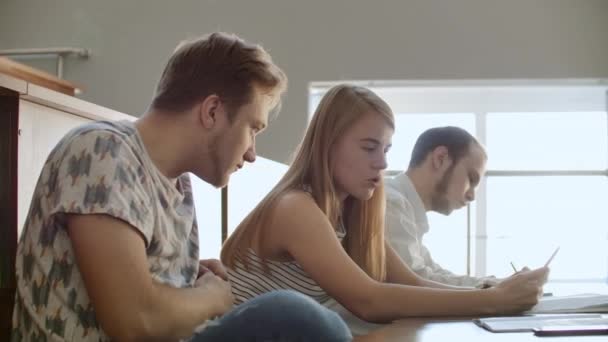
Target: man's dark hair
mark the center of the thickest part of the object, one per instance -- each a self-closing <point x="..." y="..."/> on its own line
<point x="455" y="139"/>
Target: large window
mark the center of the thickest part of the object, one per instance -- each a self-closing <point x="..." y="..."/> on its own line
<point x="547" y="179"/>
<point x="247" y="188"/>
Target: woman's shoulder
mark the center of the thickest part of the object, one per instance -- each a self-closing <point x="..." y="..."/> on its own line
<point x="296" y="208"/>
<point x="296" y="219"/>
<point x="296" y="200"/>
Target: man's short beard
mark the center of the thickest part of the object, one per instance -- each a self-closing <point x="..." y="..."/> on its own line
<point x="439" y="200"/>
<point x="216" y="177"/>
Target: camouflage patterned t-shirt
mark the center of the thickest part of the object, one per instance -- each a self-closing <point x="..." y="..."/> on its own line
<point x="98" y="168"/>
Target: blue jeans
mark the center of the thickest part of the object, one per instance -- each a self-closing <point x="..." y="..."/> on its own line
<point x="277" y="316"/>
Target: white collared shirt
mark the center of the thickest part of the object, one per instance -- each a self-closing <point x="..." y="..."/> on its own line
<point x="406" y="224"/>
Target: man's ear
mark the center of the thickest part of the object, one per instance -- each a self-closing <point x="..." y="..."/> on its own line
<point x="440" y="158"/>
<point x="209" y="110"/>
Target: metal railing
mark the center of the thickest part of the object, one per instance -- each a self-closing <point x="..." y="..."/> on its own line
<point x="57" y="52"/>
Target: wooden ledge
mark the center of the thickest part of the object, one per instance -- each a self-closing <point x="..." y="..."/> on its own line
<point x="35" y="76"/>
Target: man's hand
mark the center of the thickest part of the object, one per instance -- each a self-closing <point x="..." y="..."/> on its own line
<point x="212" y="265"/>
<point x="217" y="289"/>
<point x="129" y="304"/>
<point x="488" y="282"/>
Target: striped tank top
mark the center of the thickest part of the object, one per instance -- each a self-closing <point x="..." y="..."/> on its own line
<point x="248" y="283"/>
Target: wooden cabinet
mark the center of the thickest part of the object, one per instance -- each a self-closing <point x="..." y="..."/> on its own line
<point x="32" y="120"/>
<point x="40" y="129"/>
<point x="8" y="205"/>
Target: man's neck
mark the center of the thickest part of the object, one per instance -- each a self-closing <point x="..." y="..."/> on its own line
<point x="423" y="184"/>
<point x="163" y="141"/>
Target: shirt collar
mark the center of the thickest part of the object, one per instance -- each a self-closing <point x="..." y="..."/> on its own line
<point x="407" y="188"/>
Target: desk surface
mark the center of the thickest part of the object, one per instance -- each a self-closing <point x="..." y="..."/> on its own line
<point x="439" y="330"/>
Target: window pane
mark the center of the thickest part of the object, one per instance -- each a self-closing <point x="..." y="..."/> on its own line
<point x="528" y="217"/>
<point x="409" y="126"/>
<point x="542" y="141"/>
<point x="314" y="98"/>
<point x="447" y="240"/>
<point x="208" y="204"/>
<point x="249" y="186"/>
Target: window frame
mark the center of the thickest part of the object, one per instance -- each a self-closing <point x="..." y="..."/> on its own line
<point x="495" y="96"/>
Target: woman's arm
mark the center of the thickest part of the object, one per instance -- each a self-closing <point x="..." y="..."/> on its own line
<point x="300" y="229"/>
<point x="398" y="272"/>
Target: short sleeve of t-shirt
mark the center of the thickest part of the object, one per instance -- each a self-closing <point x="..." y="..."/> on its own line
<point x="100" y="172"/>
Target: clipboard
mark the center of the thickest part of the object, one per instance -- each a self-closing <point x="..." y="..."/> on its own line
<point x="529" y="323"/>
<point x="574" y="330"/>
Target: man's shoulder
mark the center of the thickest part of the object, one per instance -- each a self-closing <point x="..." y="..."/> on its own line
<point x="397" y="200"/>
<point x="95" y="155"/>
<point x="99" y="137"/>
<point x="393" y="191"/>
<point x="118" y="129"/>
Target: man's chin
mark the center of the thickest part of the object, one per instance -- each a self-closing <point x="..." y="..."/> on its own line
<point x="444" y="211"/>
<point x="222" y="182"/>
<point x="216" y="182"/>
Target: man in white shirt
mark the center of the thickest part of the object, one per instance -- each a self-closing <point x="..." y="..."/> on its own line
<point x="446" y="166"/>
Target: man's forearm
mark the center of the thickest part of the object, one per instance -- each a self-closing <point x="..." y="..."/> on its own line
<point x="162" y="313"/>
<point x="175" y="312"/>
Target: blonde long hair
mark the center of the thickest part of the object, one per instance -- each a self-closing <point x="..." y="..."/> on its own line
<point x="339" y="109"/>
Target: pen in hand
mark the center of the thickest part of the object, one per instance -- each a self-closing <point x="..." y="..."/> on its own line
<point x="546" y="264"/>
<point x="551" y="257"/>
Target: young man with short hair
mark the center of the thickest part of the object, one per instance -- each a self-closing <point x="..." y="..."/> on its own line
<point x="446" y="166"/>
<point x="109" y="250"/>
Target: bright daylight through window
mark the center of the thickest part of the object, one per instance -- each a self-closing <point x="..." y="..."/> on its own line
<point x="547" y="174"/>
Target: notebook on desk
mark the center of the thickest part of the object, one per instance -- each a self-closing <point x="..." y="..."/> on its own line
<point x="528" y="323"/>
<point x="582" y="309"/>
<point x="582" y="303"/>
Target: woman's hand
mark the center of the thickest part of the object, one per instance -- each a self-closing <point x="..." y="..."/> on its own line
<point x="520" y="292"/>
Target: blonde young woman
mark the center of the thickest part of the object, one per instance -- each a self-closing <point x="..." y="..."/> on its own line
<point x="320" y="231"/>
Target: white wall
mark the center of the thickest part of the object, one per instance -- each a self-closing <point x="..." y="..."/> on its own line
<point x="317" y="40"/>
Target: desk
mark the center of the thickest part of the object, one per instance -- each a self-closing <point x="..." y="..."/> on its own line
<point x="461" y="329"/>
<point x="439" y="330"/>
